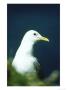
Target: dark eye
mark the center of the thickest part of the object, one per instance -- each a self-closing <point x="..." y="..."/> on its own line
<point x="35" y="34"/>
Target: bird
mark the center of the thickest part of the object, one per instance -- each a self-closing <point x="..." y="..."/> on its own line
<point x="24" y="60"/>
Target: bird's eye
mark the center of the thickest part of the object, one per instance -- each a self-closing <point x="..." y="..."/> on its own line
<point x="35" y="34"/>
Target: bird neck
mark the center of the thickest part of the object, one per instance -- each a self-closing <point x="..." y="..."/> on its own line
<point x="26" y="47"/>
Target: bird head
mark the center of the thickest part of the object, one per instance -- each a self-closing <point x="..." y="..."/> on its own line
<point x="34" y="36"/>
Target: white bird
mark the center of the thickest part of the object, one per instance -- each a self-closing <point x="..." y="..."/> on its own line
<point x="24" y="60"/>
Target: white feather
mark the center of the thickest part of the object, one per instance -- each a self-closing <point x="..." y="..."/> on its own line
<point x="24" y="59"/>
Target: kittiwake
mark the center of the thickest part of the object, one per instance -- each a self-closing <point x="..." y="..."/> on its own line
<point x="24" y="60"/>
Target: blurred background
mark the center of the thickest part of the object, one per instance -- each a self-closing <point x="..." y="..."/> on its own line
<point x="44" y="18"/>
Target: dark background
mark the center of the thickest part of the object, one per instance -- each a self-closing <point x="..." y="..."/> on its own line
<point x="44" y="18"/>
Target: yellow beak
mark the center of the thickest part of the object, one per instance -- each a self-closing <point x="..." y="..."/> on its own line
<point x="44" y="39"/>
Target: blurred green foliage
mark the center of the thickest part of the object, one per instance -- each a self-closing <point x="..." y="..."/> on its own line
<point x="28" y="79"/>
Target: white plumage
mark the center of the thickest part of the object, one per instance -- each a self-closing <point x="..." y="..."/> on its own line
<point x="24" y="60"/>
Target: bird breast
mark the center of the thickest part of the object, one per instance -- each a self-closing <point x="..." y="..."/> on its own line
<point x="24" y="64"/>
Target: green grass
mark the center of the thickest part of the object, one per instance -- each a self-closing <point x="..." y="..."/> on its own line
<point x="28" y="79"/>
